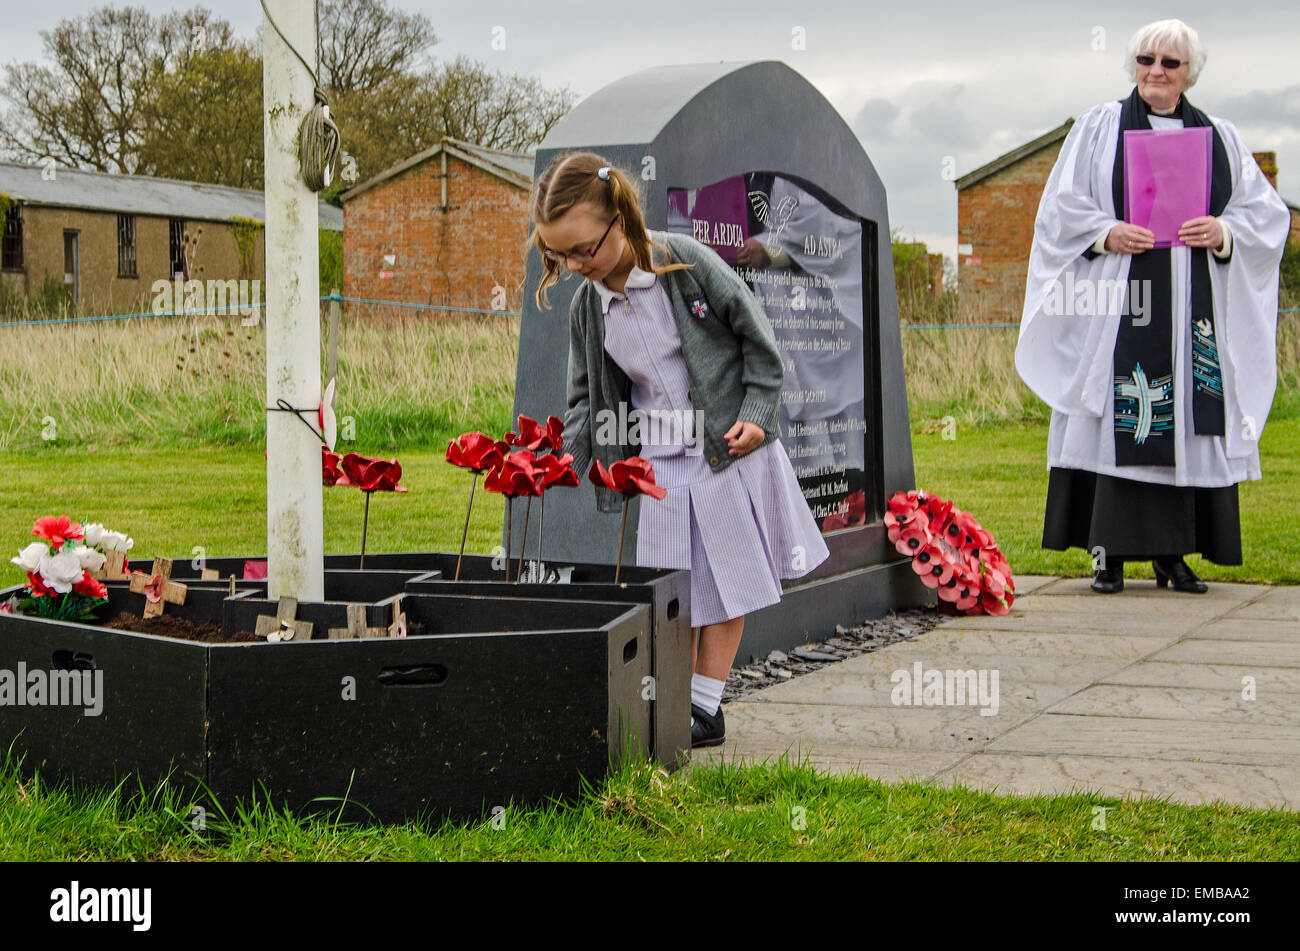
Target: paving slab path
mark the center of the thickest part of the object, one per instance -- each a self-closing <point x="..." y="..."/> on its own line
<point x="1143" y="693"/>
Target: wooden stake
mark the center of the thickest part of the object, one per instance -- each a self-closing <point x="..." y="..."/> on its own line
<point x="465" y="531"/>
<point x="621" y="532"/>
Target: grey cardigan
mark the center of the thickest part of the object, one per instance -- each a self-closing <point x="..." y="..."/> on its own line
<point x="732" y="361"/>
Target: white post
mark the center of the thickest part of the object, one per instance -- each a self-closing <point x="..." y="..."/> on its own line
<point x="295" y="538"/>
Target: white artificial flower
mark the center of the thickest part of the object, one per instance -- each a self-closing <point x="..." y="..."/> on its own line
<point x="60" y="572"/>
<point x="90" y="558"/>
<point x="94" y="533"/>
<point x="116" y="541"/>
<point x="29" y="559"/>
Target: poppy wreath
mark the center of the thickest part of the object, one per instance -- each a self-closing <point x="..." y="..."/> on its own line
<point x="951" y="552"/>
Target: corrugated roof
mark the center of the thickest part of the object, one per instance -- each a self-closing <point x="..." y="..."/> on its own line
<point x="141" y="195"/>
<point x="1015" y="155"/>
<point x="513" y="167"/>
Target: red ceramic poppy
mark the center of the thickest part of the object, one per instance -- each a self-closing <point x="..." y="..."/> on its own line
<point x="516" y="475"/>
<point x="630" y="477"/>
<point x="331" y="474"/>
<point x="57" y="529"/>
<point x="558" y="470"/>
<point x="477" y="451"/>
<point x="90" y="587"/>
<point x="533" y="435"/>
<point x="372" y="475"/>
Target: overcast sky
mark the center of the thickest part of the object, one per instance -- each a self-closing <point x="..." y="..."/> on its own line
<point x="918" y="82"/>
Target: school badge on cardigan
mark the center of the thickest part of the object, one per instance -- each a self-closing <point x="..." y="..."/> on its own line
<point x="699" y="305"/>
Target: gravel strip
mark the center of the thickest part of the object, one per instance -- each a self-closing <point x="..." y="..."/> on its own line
<point x="868" y="636"/>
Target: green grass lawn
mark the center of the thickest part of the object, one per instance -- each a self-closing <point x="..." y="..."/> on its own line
<point x="173" y="500"/>
<point x="718" y="812"/>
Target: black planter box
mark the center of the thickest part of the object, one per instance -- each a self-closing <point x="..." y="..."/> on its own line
<point x="667" y="593"/>
<point x="504" y="700"/>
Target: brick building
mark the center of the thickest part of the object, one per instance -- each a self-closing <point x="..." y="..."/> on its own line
<point x="446" y="226"/>
<point x="107" y="238"/>
<point x="996" y="207"/>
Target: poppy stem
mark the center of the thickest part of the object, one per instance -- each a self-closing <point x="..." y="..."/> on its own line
<point x="618" y="565"/>
<point x="510" y="500"/>
<point x="365" y="525"/>
<point x="523" y="542"/>
<point x="465" y="530"/>
<point x="541" y="522"/>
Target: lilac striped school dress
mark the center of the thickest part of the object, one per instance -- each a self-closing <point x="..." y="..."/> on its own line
<point x="738" y="531"/>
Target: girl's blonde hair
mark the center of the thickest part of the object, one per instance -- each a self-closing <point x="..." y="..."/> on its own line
<point x="573" y="179"/>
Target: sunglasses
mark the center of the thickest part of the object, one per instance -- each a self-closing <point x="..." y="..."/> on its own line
<point x="1168" y="62"/>
<point x="559" y="257"/>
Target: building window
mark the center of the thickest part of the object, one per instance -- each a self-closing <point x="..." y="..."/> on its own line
<point x="176" y="247"/>
<point x="126" y="246"/>
<point x="11" y="247"/>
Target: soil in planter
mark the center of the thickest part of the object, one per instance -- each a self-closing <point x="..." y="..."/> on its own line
<point x="169" y="625"/>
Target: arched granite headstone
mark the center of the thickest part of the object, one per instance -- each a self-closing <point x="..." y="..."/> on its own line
<point x="751" y="156"/>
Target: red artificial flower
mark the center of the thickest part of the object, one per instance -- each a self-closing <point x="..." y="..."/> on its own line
<point x="533" y="435"/>
<point x="961" y="531"/>
<point x="39" y="590"/>
<point x="152" y="588"/>
<point x="90" y="587"/>
<point x="331" y="474"/>
<point x="903" y="504"/>
<point x="372" y="475"/>
<point x="57" y="530"/>
<point x="477" y="451"/>
<point x="558" y="470"/>
<point x="913" y="537"/>
<point x="934" y="569"/>
<point x="629" y="476"/>
<point x="516" y="475"/>
<point x="939" y="511"/>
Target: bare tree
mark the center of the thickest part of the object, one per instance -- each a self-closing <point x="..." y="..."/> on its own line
<point x="364" y="44"/>
<point x="84" y="110"/>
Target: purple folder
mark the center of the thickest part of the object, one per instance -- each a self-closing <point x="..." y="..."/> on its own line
<point x="1166" y="179"/>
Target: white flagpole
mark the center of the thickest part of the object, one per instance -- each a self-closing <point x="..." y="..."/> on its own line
<point x="295" y="543"/>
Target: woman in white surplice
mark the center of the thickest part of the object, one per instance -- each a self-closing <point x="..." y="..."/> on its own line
<point x="1159" y="363"/>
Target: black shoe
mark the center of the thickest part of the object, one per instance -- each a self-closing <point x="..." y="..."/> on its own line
<point x="1183" y="578"/>
<point x="1109" y="580"/>
<point x="707" y="730"/>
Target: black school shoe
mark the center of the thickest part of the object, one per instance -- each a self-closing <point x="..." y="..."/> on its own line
<point x="707" y="730"/>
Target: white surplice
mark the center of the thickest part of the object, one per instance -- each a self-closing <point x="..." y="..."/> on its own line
<point x="1066" y="357"/>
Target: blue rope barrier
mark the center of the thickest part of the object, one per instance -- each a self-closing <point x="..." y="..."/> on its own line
<point x="398" y="303"/>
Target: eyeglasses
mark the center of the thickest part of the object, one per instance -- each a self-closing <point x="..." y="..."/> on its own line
<point x="1168" y="62"/>
<point x="559" y="257"/>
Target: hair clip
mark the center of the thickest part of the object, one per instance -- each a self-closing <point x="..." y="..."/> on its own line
<point x="603" y="173"/>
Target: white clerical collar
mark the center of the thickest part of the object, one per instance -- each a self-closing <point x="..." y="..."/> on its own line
<point x="635" y="278"/>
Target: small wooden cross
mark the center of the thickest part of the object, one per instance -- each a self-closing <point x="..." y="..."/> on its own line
<point x="114" y="567"/>
<point x="357" y="628"/>
<point x="157" y="581"/>
<point x="284" y="626"/>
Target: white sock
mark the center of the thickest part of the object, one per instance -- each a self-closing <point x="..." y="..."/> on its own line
<point x="706" y="693"/>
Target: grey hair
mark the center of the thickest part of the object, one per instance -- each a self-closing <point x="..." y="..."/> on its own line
<point x="1173" y="34"/>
